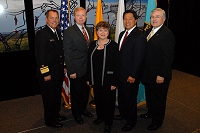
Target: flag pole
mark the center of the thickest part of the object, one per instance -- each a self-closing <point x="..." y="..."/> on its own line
<point x="69" y="19"/>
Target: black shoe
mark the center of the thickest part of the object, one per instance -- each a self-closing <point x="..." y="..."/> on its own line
<point x="87" y="113"/>
<point x="55" y="125"/>
<point x="97" y="121"/>
<point x="153" y="127"/>
<point x="61" y="118"/>
<point x="127" y="128"/>
<point x="146" y="116"/>
<point x="79" y="120"/>
<point x="117" y="117"/>
<point x="107" y="129"/>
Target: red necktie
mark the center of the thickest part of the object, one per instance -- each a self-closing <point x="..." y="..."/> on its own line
<point x="124" y="39"/>
<point x="85" y="35"/>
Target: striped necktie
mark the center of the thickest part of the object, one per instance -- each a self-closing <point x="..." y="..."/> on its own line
<point x="85" y="35"/>
<point x="150" y="34"/>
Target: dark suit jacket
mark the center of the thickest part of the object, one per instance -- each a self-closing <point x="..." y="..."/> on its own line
<point x="131" y="54"/>
<point x="75" y="50"/>
<point x="159" y="55"/>
<point x="49" y="54"/>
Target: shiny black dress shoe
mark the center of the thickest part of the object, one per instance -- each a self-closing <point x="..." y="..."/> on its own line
<point x="79" y="120"/>
<point x="87" y="113"/>
<point x="117" y="117"/>
<point x="153" y="127"/>
<point x="55" y="125"/>
<point x="61" y="118"/>
<point x="146" y="116"/>
<point x="107" y="129"/>
<point x="97" y="121"/>
<point x="127" y="128"/>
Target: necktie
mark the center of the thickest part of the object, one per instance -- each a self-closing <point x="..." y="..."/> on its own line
<point x="124" y="39"/>
<point x="85" y="35"/>
<point x="150" y="34"/>
<point x="56" y="35"/>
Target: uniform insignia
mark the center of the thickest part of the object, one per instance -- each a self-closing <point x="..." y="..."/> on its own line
<point x="44" y="69"/>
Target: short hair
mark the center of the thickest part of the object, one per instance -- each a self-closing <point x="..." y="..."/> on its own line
<point x="79" y="9"/>
<point x="159" y="9"/>
<point x="103" y="24"/>
<point x="51" y="10"/>
<point x="131" y="11"/>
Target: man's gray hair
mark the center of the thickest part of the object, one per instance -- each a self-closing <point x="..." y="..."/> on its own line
<point x="159" y="9"/>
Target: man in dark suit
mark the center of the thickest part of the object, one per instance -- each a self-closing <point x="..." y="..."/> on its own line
<point x="157" y="71"/>
<point x="131" y="55"/>
<point x="75" y="49"/>
<point x="50" y="71"/>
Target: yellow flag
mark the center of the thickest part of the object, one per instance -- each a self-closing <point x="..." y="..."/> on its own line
<point x="99" y="16"/>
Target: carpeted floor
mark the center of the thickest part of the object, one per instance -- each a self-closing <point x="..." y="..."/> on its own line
<point x="25" y="115"/>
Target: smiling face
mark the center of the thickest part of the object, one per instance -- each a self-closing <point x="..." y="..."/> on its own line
<point x="129" y="21"/>
<point x="52" y="19"/>
<point x="80" y="16"/>
<point x="102" y="33"/>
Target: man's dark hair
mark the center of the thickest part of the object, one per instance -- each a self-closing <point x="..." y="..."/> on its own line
<point x="131" y="11"/>
<point x="51" y="10"/>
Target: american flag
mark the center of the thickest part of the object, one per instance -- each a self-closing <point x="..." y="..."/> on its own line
<point x="66" y="91"/>
<point x="64" y="24"/>
<point x="64" y="15"/>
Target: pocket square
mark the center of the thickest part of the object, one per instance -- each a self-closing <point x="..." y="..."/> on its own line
<point x="52" y="40"/>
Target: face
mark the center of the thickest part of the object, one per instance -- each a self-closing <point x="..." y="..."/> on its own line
<point x="52" y="19"/>
<point x="129" y="21"/>
<point x="102" y="33"/>
<point x="157" y="19"/>
<point x="80" y="17"/>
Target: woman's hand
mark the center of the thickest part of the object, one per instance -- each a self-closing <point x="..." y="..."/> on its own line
<point x="113" y="87"/>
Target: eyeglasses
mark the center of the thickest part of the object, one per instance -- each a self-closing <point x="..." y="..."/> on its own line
<point x="156" y="17"/>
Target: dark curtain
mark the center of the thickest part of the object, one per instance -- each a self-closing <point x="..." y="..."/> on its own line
<point x="17" y="69"/>
<point x="184" y="21"/>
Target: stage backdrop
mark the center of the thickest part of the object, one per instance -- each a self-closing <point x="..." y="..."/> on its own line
<point x="13" y="28"/>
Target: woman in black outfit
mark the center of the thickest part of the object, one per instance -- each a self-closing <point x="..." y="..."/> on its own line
<point x="102" y="74"/>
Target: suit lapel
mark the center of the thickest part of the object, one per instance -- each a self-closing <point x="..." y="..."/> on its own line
<point x="156" y="34"/>
<point x="80" y="34"/>
<point x="130" y="36"/>
<point x="120" y="36"/>
<point x="52" y="34"/>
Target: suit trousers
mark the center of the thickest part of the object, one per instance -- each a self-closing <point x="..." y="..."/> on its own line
<point x="105" y="103"/>
<point x="51" y="96"/>
<point x="156" y="96"/>
<point x="127" y="100"/>
<point x="79" y="95"/>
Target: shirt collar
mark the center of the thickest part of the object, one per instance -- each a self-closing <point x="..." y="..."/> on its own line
<point x="79" y="26"/>
<point x="129" y="31"/>
<point x="156" y="29"/>
<point x="51" y="29"/>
